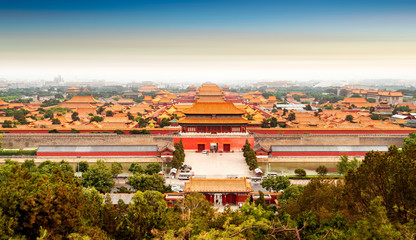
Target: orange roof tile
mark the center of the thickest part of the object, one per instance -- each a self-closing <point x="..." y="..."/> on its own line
<point x="213" y="108"/>
<point x="3" y="103"/>
<point x="82" y="99"/>
<point x="217" y="185"/>
<point x="218" y="120"/>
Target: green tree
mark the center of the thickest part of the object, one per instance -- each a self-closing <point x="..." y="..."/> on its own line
<point x="147" y="212"/>
<point x="7" y="124"/>
<point x="291" y="116"/>
<point x="349" y="118"/>
<point x="109" y="113"/>
<point x="178" y="155"/>
<point x="143" y="182"/>
<point x="275" y="183"/>
<point x="385" y="175"/>
<point x="98" y="176"/>
<point x="345" y="164"/>
<point x="300" y="172"/>
<point x="153" y="168"/>
<point x="75" y="116"/>
<point x="308" y="107"/>
<point x="56" y="121"/>
<point x="321" y="170"/>
<point x="164" y="122"/>
<point x="116" y="169"/>
<point x="96" y="118"/>
<point x="261" y="201"/>
<point x="29" y="165"/>
<point x="410" y="139"/>
<point x="273" y="122"/>
<point x="82" y="166"/>
<point x="136" y="168"/>
<point x="376" y="225"/>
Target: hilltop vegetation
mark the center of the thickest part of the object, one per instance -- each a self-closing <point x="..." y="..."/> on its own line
<point x="375" y="200"/>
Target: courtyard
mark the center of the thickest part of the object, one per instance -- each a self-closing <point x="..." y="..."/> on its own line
<point x="218" y="165"/>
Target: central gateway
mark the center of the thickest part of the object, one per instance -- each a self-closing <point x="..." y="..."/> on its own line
<point x="214" y="118"/>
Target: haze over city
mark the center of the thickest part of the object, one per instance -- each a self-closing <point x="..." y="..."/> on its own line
<point x="175" y="41"/>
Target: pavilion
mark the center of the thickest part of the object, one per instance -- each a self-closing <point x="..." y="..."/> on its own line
<point x="213" y="117"/>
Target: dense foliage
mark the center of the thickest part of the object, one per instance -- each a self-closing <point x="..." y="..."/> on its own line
<point x="375" y="200"/>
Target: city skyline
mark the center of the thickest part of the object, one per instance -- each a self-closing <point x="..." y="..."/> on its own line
<point x="215" y="41"/>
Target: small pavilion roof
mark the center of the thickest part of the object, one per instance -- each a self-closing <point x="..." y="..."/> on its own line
<point x="217" y="185"/>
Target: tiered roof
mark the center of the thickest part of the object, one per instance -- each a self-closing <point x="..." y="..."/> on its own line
<point x="213" y="108"/>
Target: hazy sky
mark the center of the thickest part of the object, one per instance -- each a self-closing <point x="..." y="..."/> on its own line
<point x="222" y="40"/>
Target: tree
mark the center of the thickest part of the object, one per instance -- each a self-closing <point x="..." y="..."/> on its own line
<point x="143" y="182"/>
<point x="136" y="168"/>
<point x="346" y="164"/>
<point x="147" y="212"/>
<point x="290" y="193"/>
<point x="250" y="156"/>
<point x="100" y="110"/>
<point x="300" y="172"/>
<point x="98" y="176"/>
<point x="75" y="116"/>
<point x="265" y="123"/>
<point x="73" y="130"/>
<point x="153" y="168"/>
<point x="261" y="201"/>
<point x="96" y="118"/>
<point x="275" y="183"/>
<point x="273" y="122"/>
<point x="371" y="100"/>
<point x="321" y="170"/>
<point x="20" y="116"/>
<point x="56" y="121"/>
<point x="109" y="113"/>
<point x="284" y="111"/>
<point x="82" y="166"/>
<point x="53" y="131"/>
<point x="164" y="122"/>
<point x="349" y="118"/>
<point x="410" y="139"/>
<point x="116" y="169"/>
<point x="7" y="124"/>
<point x="308" y="107"/>
<point x="29" y="165"/>
<point x="388" y="176"/>
<point x="36" y="204"/>
<point x="178" y="155"/>
<point x="291" y="116"/>
<point x="118" y="131"/>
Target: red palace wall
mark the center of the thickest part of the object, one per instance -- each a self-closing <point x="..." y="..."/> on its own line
<point x="332" y="131"/>
<point x="311" y="154"/>
<point x="152" y="131"/>
<point x="236" y="143"/>
<point x="97" y="154"/>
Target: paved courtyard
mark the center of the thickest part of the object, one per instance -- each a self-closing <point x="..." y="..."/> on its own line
<point x="217" y="165"/>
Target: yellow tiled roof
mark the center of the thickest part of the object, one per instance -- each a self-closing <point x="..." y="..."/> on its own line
<point x="217" y="185"/>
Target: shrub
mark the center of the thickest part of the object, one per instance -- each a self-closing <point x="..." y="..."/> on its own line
<point x="300" y="172"/>
<point x="322" y="170"/>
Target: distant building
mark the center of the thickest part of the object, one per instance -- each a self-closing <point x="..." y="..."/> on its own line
<point x="73" y="90"/>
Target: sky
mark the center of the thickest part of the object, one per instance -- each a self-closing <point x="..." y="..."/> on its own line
<point x="216" y="40"/>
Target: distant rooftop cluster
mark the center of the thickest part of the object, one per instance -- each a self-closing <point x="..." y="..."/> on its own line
<point x="210" y="109"/>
